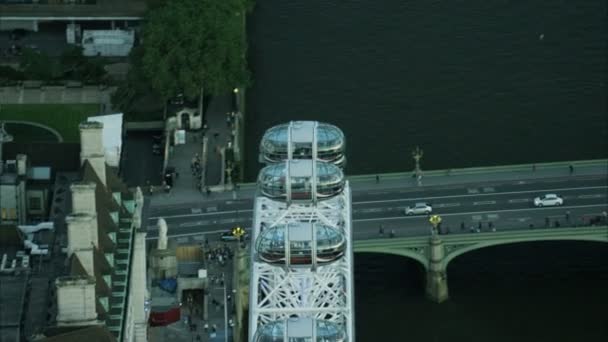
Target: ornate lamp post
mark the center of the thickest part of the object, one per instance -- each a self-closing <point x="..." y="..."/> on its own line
<point x="435" y="220"/>
<point x="417" y="154"/>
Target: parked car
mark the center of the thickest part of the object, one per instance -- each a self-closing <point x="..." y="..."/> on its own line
<point x="548" y="200"/>
<point x="419" y="209"/>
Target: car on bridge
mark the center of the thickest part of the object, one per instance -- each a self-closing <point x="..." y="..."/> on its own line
<point x="419" y="209"/>
<point x="548" y="200"/>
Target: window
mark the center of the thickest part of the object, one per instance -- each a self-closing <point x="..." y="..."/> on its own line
<point x="35" y="203"/>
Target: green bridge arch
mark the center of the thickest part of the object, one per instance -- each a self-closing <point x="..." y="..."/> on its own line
<point x="435" y="253"/>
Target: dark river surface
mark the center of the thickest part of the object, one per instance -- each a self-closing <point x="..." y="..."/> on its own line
<point x="474" y="83"/>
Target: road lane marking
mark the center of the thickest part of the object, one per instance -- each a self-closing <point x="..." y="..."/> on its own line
<point x="489" y="194"/>
<point x="591" y="196"/>
<point x="446" y="205"/>
<point x="492" y="216"/>
<point x="211" y="209"/>
<point x="489" y="189"/>
<point x="190" y="224"/>
<point x="196" y="210"/>
<point x="484" y="202"/>
<point x="481" y="212"/>
<point x="519" y="200"/>
<point x="395" y="200"/>
<point x="472" y="191"/>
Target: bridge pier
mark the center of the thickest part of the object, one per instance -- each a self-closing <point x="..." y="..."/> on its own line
<point x="436" y="275"/>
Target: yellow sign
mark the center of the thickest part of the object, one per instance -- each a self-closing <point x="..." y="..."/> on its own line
<point x="435" y="220"/>
<point x="238" y="231"/>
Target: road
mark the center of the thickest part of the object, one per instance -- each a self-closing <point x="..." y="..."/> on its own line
<point x="507" y="204"/>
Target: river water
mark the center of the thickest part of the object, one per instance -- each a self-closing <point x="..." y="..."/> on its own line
<point x="475" y="82"/>
<point x="548" y="291"/>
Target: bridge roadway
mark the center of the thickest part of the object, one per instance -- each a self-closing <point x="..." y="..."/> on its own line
<point x="507" y="204"/>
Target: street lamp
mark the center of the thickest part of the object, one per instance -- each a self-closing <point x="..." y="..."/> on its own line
<point x="417" y="154"/>
<point x="435" y="220"/>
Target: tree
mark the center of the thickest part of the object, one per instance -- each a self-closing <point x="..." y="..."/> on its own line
<point x="135" y="93"/>
<point x="191" y="44"/>
<point x="39" y="66"/>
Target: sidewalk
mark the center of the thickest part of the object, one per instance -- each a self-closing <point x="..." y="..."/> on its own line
<point x="430" y="178"/>
<point x="185" y="185"/>
<point x="218" y="134"/>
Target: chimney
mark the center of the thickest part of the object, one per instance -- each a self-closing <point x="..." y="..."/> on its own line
<point x="82" y="232"/>
<point x="83" y="197"/>
<point x="85" y="256"/>
<point x="76" y="301"/>
<point x="91" y="147"/>
<point x="21" y="165"/>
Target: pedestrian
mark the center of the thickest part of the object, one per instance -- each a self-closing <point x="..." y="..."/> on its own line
<point x="568" y="216"/>
<point x="462" y="226"/>
<point x="381" y="230"/>
<point x="479" y="227"/>
<point x="571" y="169"/>
<point x="208" y="192"/>
<point x="533" y="167"/>
<point x="392" y="233"/>
<point x="377" y="179"/>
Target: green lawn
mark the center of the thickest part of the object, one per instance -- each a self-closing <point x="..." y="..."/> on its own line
<point x="62" y="117"/>
<point x="29" y="133"/>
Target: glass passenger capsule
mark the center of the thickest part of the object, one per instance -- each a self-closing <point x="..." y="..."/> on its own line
<point x="330" y="142"/>
<point x="272" y="180"/>
<point x="300" y="329"/>
<point x="270" y="245"/>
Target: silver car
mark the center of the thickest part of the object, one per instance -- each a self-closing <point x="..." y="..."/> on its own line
<point x="419" y="209"/>
<point x="548" y="200"/>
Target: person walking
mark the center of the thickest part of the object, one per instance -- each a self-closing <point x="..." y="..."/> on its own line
<point x="571" y="168"/>
<point x="377" y="179"/>
<point x="392" y="233"/>
<point x="381" y="230"/>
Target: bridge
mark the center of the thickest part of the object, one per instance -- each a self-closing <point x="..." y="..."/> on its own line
<point x="436" y="251"/>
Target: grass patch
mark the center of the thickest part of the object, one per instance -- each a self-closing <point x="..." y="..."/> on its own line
<point x="62" y="117"/>
<point x="28" y="133"/>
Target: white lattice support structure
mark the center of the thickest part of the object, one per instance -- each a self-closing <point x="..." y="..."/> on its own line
<point x="324" y="292"/>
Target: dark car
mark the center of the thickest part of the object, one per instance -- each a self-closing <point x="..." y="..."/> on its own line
<point x="18" y="34"/>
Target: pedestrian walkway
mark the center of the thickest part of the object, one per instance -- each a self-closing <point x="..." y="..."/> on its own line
<point x="220" y="300"/>
<point x="186" y="184"/>
<point x="385" y="182"/>
<point x="218" y="134"/>
<point x="56" y="95"/>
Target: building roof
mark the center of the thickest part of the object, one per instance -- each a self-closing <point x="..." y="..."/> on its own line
<point x="88" y="10"/>
<point x="12" y="295"/>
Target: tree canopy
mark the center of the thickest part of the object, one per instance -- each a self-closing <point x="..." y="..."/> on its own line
<point x="189" y="44"/>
